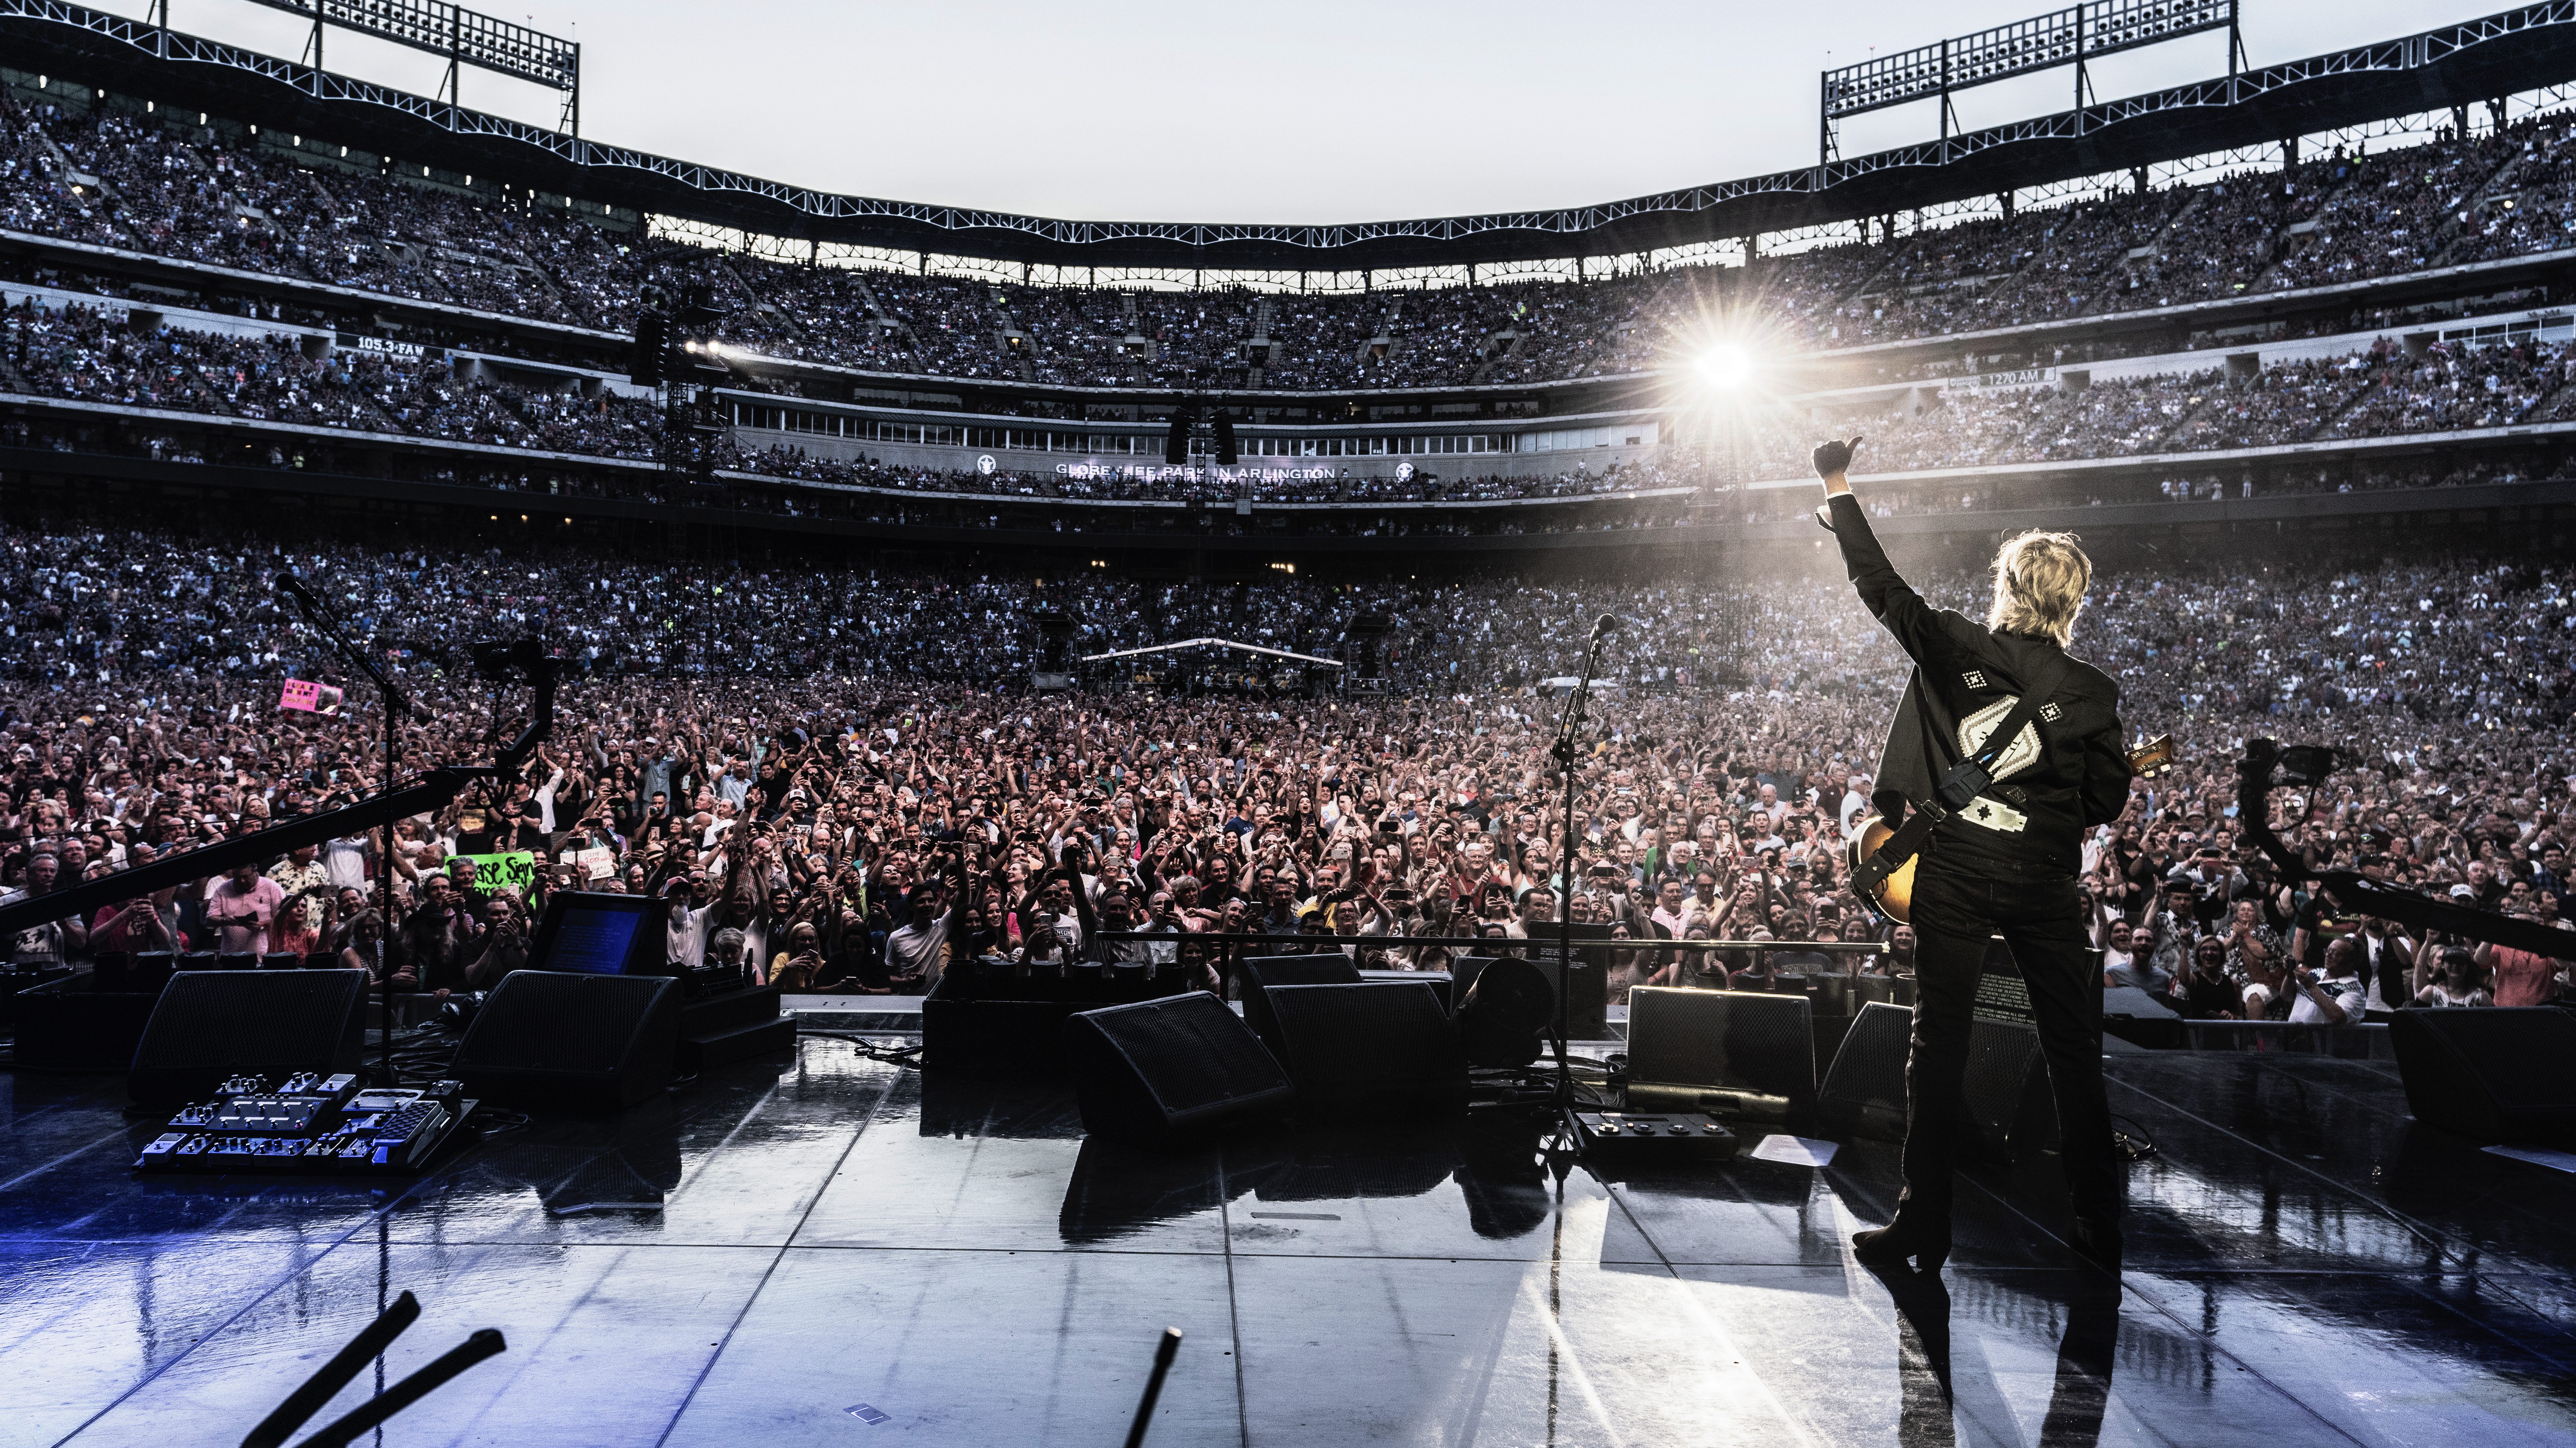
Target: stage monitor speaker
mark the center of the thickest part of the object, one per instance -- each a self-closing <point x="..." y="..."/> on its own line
<point x="1865" y="1085"/>
<point x="209" y="1026"/>
<point x="1728" y="1052"/>
<point x="1588" y="994"/>
<point x="730" y="1026"/>
<point x="2132" y="1015"/>
<point x="595" y="933"/>
<point x="2009" y="1109"/>
<point x="2503" y="1074"/>
<point x="571" y="1040"/>
<point x="66" y="1024"/>
<point x="151" y="971"/>
<point x="1384" y="1048"/>
<point x="1831" y="993"/>
<point x="1442" y="983"/>
<point x="1260" y="974"/>
<point x="1170" y="1071"/>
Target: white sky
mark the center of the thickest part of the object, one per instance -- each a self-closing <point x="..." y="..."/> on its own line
<point x="1324" y="111"/>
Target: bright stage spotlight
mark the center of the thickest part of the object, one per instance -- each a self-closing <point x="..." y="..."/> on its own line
<point x="1726" y="366"/>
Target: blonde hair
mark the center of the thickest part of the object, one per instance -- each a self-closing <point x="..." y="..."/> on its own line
<point x="2040" y="580"/>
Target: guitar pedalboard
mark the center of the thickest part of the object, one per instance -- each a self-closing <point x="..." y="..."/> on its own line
<point x="309" y="1124"/>
<point x="1641" y="1139"/>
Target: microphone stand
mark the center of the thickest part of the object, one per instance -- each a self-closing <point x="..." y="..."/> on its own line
<point x="395" y="705"/>
<point x="1567" y="729"/>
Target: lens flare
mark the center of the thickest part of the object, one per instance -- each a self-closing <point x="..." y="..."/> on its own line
<point x="1725" y="365"/>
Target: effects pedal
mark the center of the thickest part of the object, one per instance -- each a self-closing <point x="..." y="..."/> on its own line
<point x="1642" y="1138"/>
<point x="309" y="1123"/>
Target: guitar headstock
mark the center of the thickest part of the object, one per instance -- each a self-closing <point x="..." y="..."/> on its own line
<point x="2153" y="757"/>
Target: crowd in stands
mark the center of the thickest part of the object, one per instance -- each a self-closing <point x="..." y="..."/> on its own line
<point x="85" y="354"/>
<point x="155" y="184"/>
<point x="1210" y="484"/>
<point x="2380" y="392"/>
<point x="832" y="776"/>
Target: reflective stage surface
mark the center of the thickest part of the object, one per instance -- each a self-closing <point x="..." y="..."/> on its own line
<point x="753" y="1258"/>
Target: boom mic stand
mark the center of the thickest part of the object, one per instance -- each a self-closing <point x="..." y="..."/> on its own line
<point x="1567" y="729"/>
<point x="395" y="705"/>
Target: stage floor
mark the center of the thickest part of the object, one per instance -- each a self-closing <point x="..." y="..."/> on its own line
<point x="751" y="1259"/>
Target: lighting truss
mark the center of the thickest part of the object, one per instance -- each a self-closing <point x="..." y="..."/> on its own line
<point x="468" y="37"/>
<point x="2062" y="37"/>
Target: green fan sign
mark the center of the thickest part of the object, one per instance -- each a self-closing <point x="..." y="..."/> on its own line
<point x="515" y="870"/>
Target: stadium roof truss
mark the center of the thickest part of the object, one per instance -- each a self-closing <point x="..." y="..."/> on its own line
<point x="2507" y="53"/>
<point x="2072" y="36"/>
<point x="465" y="37"/>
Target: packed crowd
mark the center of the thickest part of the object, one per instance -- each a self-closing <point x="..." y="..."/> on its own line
<point x="86" y="354"/>
<point x="1208" y="483"/>
<point x="852" y="795"/>
<point x="156" y="184"/>
<point x="2382" y="391"/>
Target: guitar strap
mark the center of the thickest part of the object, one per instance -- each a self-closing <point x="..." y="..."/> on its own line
<point x="1966" y="780"/>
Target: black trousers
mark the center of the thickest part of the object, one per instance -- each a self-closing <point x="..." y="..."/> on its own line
<point x="1958" y="904"/>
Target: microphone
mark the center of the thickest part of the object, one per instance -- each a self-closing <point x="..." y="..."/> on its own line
<point x="1602" y="626"/>
<point x="289" y="584"/>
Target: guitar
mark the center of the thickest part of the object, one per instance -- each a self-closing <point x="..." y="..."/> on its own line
<point x="1895" y="895"/>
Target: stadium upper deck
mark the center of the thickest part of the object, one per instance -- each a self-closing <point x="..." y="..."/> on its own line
<point x="126" y="197"/>
<point x="2513" y="51"/>
<point x="227" y="290"/>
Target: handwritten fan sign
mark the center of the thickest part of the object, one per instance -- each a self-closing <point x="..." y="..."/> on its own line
<point x="597" y="863"/>
<point x="516" y="869"/>
<point x="310" y="697"/>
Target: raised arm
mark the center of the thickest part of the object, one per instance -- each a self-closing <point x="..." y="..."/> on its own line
<point x="1885" y="593"/>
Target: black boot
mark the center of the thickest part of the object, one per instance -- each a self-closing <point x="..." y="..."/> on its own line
<point x="1920" y="1237"/>
<point x="2096" y="1241"/>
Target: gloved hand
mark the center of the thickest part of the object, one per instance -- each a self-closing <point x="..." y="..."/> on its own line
<point x="1835" y="457"/>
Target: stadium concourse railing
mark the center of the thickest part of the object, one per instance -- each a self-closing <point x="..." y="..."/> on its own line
<point x="612" y="347"/>
<point x="1233" y="946"/>
<point x="26" y="467"/>
<point x="2159" y="464"/>
<point x="2245" y="307"/>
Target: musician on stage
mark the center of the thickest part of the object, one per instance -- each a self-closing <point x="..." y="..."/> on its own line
<point x="2005" y="864"/>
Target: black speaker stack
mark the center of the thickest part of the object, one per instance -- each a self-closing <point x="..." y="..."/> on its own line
<point x="2501" y="1074"/>
<point x="1261" y="974"/>
<point x="2009" y="1109"/>
<point x="994" y="1017"/>
<point x="1734" y="1053"/>
<point x="1172" y="1071"/>
<point x="735" y="1025"/>
<point x="1380" y="1048"/>
<point x="208" y="1028"/>
<point x="571" y="1040"/>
